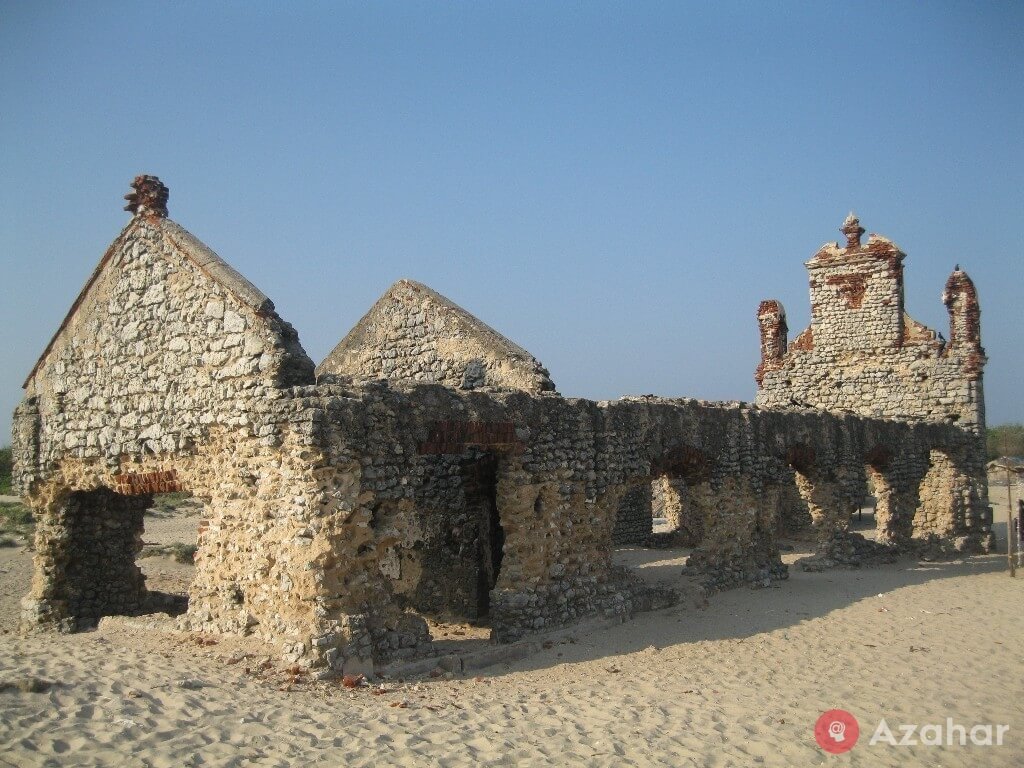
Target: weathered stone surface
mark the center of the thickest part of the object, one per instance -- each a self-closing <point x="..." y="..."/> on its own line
<point x="862" y="354"/>
<point x="414" y="334"/>
<point x="339" y="513"/>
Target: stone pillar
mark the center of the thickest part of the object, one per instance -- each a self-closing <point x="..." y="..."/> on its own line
<point x="771" y="318"/>
<point x="634" y="521"/>
<point x="889" y="528"/>
<point x="682" y="507"/>
<point x="952" y="515"/>
<point x="941" y="508"/>
<point x="824" y="499"/>
<point x="739" y="543"/>
<point x="794" y="515"/>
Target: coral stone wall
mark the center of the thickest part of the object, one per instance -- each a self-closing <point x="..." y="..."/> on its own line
<point x="857" y="296"/>
<point x="171" y="372"/>
<point x="95" y="537"/>
<point x="564" y="471"/>
<point x="863" y="354"/>
<point x="164" y="341"/>
<point x="338" y="514"/>
<point x="413" y="334"/>
<point x="634" y="520"/>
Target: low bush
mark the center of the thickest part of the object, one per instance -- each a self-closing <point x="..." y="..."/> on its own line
<point x="6" y="466"/>
<point x="1005" y="440"/>
<point x="178" y="551"/>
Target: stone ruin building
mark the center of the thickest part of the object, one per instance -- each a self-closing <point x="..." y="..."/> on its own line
<point x="428" y="467"/>
<point x="864" y="355"/>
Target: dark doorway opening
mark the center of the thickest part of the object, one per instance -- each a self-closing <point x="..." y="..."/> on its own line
<point x="480" y="479"/>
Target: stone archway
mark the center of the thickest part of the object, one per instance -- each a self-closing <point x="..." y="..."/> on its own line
<point x="87" y="546"/>
<point x="818" y="493"/>
<point x="682" y="491"/>
<point x="891" y="526"/>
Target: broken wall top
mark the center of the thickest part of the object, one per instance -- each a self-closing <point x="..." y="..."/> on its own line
<point x="414" y="334"/>
<point x="863" y="353"/>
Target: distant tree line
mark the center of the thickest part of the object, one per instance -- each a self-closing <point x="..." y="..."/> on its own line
<point x="1005" y="440"/>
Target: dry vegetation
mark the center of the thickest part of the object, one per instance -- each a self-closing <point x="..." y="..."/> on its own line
<point x="16" y="524"/>
<point x="1005" y="440"/>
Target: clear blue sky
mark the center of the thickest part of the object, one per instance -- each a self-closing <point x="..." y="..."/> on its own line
<point x="615" y="186"/>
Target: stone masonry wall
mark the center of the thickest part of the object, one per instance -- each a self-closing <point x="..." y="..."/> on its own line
<point x="339" y="513"/>
<point x="562" y="478"/>
<point x="96" y="536"/>
<point x="413" y="334"/>
<point x="170" y="366"/>
<point x="634" y="520"/>
<point x="163" y="343"/>
<point x="863" y="354"/>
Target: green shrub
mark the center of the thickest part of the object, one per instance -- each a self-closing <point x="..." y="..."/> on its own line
<point x="178" y="551"/>
<point x="6" y="466"/>
<point x="1005" y="440"/>
<point x="15" y="513"/>
<point x="16" y="519"/>
<point x="177" y="502"/>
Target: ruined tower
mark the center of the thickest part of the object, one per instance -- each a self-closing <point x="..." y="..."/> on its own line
<point x="863" y="354"/>
<point x="857" y="293"/>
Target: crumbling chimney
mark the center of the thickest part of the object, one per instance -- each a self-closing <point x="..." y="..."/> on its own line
<point x="148" y="196"/>
<point x="771" y="317"/>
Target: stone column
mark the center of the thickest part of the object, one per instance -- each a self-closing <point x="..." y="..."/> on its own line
<point x="634" y="521"/>
<point x="825" y="498"/>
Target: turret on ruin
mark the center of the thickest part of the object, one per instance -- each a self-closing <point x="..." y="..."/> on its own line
<point x="771" y="317"/>
<point x="961" y="300"/>
<point x="863" y="354"/>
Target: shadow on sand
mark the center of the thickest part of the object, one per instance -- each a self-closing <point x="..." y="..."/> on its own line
<point x="743" y="613"/>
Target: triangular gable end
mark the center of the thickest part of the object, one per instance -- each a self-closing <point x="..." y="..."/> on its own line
<point x="416" y="335"/>
<point x="150" y="237"/>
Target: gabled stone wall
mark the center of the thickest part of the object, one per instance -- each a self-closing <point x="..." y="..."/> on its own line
<point x="164" y="342"/>
<point x="171" y="372"/>
<point x="415" y="335"/>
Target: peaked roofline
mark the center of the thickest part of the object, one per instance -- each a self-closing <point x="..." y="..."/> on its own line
<point x="187" y="244"/>
<point x="463" y="314"/>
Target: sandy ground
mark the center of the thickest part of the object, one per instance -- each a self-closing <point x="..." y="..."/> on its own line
<point x="740" y="682"/>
